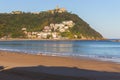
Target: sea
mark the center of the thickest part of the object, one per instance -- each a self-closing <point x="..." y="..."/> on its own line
<point x="105" y="50"/>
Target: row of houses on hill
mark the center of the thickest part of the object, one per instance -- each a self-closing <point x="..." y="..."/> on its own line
<point x="51" y="31"/>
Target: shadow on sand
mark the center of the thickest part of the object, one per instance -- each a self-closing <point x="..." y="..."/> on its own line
<point x="1" y="68"/>
<point x="55" y="73"/>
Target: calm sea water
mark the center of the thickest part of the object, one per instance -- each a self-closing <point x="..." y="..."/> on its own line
<point x="103" y="50"/>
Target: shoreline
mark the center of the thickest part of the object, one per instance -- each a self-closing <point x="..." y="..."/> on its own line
<point x="24" y="66"/>
<point x="71" y="58"/>
<point x="50" y="39"/>
<point x="65" y="56"/>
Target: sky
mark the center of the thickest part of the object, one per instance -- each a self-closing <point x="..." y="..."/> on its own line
<point x="101" y="15"/>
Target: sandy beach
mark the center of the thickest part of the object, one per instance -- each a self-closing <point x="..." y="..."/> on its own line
<point x="18" y="66"/>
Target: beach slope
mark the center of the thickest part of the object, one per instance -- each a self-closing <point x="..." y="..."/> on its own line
<point x="19" y="66"/>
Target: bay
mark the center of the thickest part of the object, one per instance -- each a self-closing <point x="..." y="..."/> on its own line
<point x="102" y="50"/>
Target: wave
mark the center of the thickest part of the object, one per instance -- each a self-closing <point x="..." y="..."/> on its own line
<point x="97" y="57"/>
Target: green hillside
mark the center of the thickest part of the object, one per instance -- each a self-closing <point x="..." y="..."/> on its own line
<point x="11" y="25"/>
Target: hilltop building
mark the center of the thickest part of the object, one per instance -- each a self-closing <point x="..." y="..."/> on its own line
<point x="35" y="12"/>
<point x="57" y="10"/>
<point x="16" y="12"/>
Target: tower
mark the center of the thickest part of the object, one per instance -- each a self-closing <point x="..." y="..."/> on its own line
<point x="57" y="7"/>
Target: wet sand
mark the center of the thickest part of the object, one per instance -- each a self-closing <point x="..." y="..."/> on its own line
<point x="18" y="66"/>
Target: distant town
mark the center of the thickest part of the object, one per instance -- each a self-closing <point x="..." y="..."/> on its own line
<point x="51" y="31"/>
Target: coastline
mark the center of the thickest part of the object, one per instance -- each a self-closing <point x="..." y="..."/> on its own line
<point x="18" y="39"/>
<point x="85" y="66"/>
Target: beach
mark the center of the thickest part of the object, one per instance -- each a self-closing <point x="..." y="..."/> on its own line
<point x="21" y="66"/>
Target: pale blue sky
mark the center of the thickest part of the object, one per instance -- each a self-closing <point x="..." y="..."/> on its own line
<point x="102" y="15"/>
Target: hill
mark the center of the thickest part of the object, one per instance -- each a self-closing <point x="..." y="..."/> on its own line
<point x="52" y="24"/>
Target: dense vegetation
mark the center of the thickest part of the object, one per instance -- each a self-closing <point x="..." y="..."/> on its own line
<point x="11" y="24"/>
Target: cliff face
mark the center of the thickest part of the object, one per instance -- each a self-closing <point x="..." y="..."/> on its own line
<point x="11" y="25"/>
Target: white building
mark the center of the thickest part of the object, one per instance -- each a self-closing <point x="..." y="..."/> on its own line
<point x="68" y="23"/>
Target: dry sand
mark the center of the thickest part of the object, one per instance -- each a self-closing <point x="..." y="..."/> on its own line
<point x="18" y="66"/>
